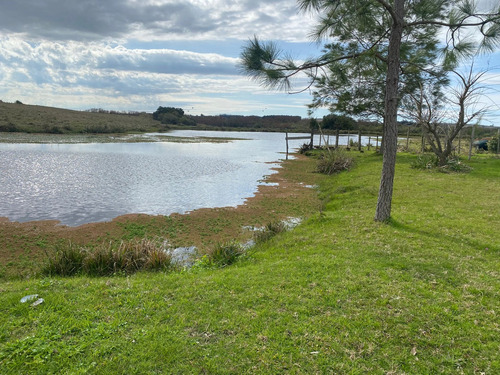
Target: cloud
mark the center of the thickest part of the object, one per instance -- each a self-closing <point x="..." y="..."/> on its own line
<point x="86" y="75"/>
<point x="86" y="53"/>
<point x="87" y="20"/>
<point x="139" y="54"/>
<point x="51" y="62"/>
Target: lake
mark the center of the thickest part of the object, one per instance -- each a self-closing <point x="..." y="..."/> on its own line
<point x="92" y="182"/>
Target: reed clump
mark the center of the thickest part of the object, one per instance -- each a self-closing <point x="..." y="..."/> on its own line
<point x="108" y="259"/>
<point x="224" y="254"/>
<point x="269" y="231"/>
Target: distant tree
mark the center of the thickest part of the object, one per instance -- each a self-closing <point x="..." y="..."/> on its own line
<point x="313" y="124"/>
<point x="171" y="115"/>
<point x="177" y="112"/>
<point x="334" y="122"/>
<point x="399" y="35"/>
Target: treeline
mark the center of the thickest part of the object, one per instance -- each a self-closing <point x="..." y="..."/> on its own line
<point x="176" y="116"/>
<point x="276" y="123"/>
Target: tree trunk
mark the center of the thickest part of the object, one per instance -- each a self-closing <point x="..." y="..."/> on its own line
<point x="383" y="212"/>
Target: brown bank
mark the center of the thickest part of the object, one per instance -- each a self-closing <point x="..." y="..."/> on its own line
<point x="23" y="246"/>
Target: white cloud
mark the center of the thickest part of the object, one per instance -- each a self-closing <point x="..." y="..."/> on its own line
<point x="85" y="75"/>
<point x="76" y="54"/>
<point x="139" y="54"/>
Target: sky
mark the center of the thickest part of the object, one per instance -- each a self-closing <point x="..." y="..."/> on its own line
<point x="135" y="55"/>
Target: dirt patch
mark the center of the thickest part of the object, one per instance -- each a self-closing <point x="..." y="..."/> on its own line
<point x="24" y="245"/>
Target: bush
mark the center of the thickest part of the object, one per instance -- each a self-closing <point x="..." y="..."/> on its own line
<point x="10" y="127"/>
<point x="453" y="164"/>
<point x="225" y="254"/>
<point x="493" y="144"/>
<point x="425" y="161"/>
<point x="331" y="162"/>
<point x="353" y="143"/>
<point x="305" y="148"/>
<point x="269" y="231"/>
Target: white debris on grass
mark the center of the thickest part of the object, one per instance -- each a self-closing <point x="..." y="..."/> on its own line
<point x="39" y="301"/>
<point x="29" y="298"/>
<point x="33" y="297"/>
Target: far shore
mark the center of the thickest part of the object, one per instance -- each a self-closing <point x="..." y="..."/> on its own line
<point x="44" y="138"/>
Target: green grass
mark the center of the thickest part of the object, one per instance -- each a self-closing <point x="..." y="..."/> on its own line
<point x="338" y="294"/>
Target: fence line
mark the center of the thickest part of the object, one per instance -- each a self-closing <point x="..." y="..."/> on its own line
<point x="402" y="141"/>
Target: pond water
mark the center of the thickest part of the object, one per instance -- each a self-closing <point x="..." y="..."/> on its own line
<point x="82" y="183"/>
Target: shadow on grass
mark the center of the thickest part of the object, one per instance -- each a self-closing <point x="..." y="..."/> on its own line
<point x="474" y="243"/>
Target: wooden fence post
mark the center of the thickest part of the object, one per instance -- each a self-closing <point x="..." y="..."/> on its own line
<point x="471" y="141"/>
<point x="359" y="140"/>
<point x="498" y="141"/>
<point x="286" y="137"/>
<point x="408" y="140"/>
<point x="311" y="139"/>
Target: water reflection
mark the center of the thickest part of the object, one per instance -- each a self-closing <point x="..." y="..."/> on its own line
<point x="82" y="183"/>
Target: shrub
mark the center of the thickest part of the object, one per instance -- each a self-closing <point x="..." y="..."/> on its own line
<point x="305" y="148"/>
<point x="336" y="161"/>
<point x="493" y="144"/>
<point x="54" y="130"/>
<point x="225" y="254"/>
<point x="453" y="164"/>
<point x="269" y="231"/>
<point x="10" y="127"/>
<point x="353" y="143"/>
<point x="425" y="161"/>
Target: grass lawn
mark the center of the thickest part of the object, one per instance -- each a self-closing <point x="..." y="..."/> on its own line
<point x="339" y="294"/>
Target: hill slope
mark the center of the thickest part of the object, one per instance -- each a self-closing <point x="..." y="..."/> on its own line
<point x="17" y="117"/>
<point x="339" y="294"/>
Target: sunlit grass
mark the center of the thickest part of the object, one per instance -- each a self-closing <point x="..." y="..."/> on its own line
<point x="338" y="294"/>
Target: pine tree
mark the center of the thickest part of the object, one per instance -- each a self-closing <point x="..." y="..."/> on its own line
<point x="398" y="37"/>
